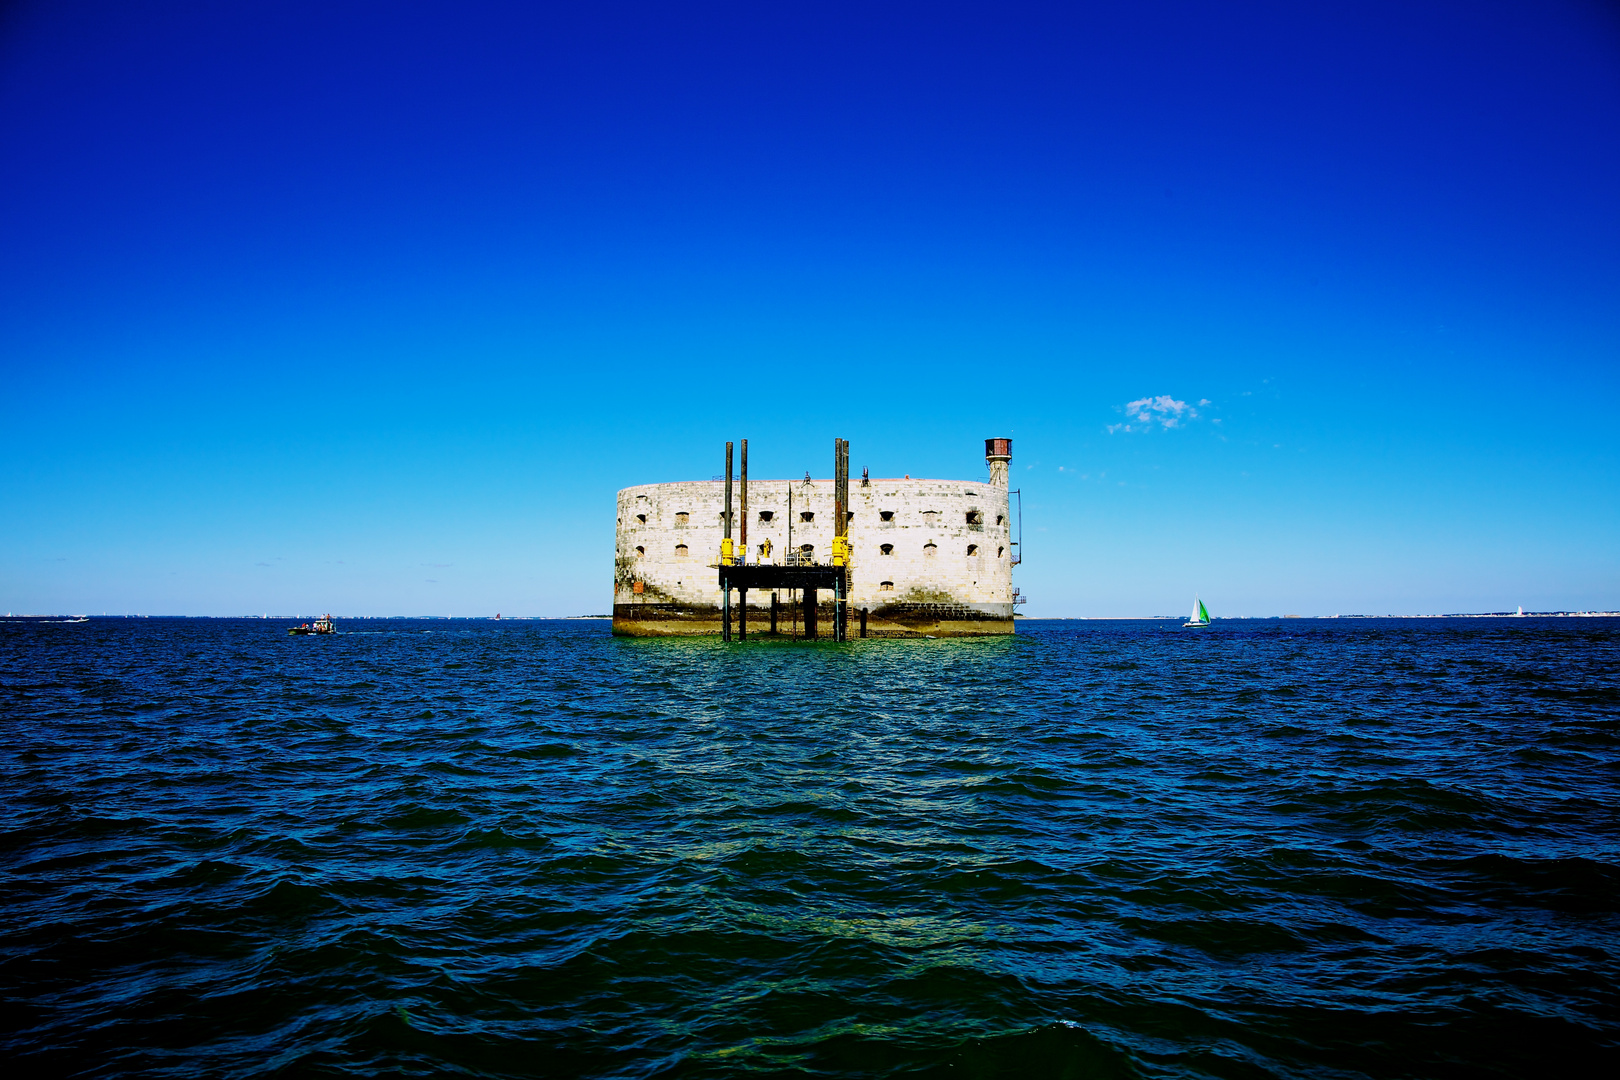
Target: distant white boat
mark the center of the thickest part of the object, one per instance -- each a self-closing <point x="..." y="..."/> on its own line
<point x="1521" y="610"/>
<point x="1199" y="616"/>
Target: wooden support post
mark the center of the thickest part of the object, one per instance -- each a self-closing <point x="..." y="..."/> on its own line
<point x="742" y="614"/>
<point x="863" y="622"/>
<point x="725" y="613"/>
<point x="773" y="610"/>
<point x="810" y="614"/>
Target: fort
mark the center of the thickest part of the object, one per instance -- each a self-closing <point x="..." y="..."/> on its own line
<point x="915" y="558"/>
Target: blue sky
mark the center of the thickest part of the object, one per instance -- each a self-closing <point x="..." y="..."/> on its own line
<point x="371" y="308"/>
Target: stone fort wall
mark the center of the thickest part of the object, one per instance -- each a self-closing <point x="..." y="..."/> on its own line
<point x="927" y="556"/>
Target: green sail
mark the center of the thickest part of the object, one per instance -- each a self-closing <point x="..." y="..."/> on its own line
<point x="1203" y="612"/>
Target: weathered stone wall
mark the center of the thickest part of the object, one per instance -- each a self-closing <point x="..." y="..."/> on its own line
<point x="947" y="570"/>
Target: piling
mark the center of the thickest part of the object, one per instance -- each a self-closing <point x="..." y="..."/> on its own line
<point x="840" y="548"/>
<point x="725" y="555"/>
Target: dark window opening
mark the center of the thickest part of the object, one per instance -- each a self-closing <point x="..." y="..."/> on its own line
<point x="640" y="551"/>
<point x="767" y="515"/>
<point x="1001" y="552"/>
<point x="886" y="515"/>
<point x="887" y="549"/>
<point x="807" y="515"/>
<point x="975" y="518"/>
<point x="886" y="586"/>
<point x="642" y="518"/>
<point x="973" y="549"/>
<point x="1000" y="519"/>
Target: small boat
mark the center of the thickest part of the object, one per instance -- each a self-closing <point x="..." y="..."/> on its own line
<point x="1199" y="616"/>
<point x="322" y="625"/>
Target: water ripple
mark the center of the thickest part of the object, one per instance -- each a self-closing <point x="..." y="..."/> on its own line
<point x="1375" y="849"/>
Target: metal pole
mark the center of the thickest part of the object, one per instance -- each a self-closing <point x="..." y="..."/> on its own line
<point x="843" y="525"/>
<point x="725" y="521"/>
<point x="840" y="537"/>
<point x="742" y="511"/>
<point x="725" y="556"/>
<point x="788" y="556"/>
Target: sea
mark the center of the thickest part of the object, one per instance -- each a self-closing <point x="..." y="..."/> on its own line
<point x="434" y="848"/>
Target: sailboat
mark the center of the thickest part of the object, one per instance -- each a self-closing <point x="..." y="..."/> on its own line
<point x="1199" y="616"/>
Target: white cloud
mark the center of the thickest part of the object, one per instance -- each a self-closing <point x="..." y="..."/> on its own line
<point x="1164" y="411"/>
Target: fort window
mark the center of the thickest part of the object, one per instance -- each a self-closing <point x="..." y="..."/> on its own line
<point x="886" y="515"/>
<point x="682" y="518"/>
<point x="807" y="553"/>
<point x="973" y="549"/>
<point x="885" y="586"/>
<point x="930" y="548"/>
<point x="975" y="518"/>
<point x="930" y="516"/>
<point x="887" y="549"/>
<point x="807" y="515"/>
<point x="766" y="515"/>
<point x="1000" y="519"/>
<point x="640" y="551"/>
<point x="642" y="518"/>
<point x="1001" y="552"/>
<point x="680" y="551"/>
<point x="849" y="515"/>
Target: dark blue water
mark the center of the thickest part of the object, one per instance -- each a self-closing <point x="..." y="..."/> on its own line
<point x="1312" y="849"/>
